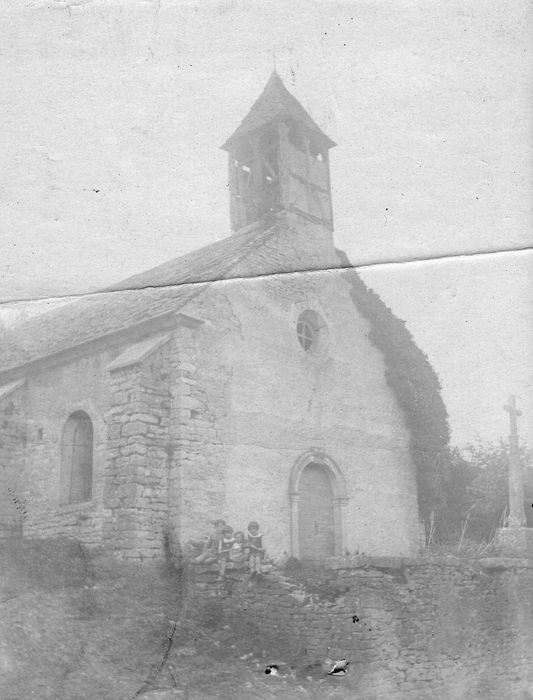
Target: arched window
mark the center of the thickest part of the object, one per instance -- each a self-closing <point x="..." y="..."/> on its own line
<point x="77" y="459"/>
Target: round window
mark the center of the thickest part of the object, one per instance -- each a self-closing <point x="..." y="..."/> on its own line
<point x="308" y="329"/>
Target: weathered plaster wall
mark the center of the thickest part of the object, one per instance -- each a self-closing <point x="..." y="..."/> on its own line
<point x="51" y="397"/>
<point x="286" y="402"/>
<point x="266" y="403"/>
<point x="412" y="630"/>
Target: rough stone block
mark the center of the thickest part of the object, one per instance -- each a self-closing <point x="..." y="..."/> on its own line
<point x="134" y="428"/>
<point x="515" y="541"/>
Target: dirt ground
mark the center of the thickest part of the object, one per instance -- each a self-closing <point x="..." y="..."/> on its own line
<point x="76" y="626"/>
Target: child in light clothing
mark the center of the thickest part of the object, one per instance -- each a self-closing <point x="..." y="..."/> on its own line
<point x="225" y="544"/>
<point x="210" y="543"/>
<point x="254" y="543"/>
<point x="238" y="551"/>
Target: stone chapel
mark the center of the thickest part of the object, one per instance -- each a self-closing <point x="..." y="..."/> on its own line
<point x="238" y="381"/>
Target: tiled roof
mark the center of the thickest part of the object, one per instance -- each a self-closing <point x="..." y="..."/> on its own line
<point x="147" y="295"/>
<point x="7" y="389"/>
<point x="275" y="102"/>
<point x="10" y="347"/>
<point x="162" y="289"/>
<point x="207" y="264"/>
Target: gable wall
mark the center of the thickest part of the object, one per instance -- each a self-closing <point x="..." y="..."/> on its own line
<point x="270" y="402"/>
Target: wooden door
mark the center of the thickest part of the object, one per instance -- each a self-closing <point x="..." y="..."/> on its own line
<point x="316" y="524"/>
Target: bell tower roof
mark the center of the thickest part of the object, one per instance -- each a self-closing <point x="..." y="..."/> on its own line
<point x="275" y="104"/>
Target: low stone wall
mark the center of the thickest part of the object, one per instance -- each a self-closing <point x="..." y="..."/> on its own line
<point x="432" y="628"/>
<point x="79" y="521"/>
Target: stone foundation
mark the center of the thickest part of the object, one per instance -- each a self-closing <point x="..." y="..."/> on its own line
<point x="445" y="628"/>
<point x="13" y="435"/>
<point x="515" y="541"/>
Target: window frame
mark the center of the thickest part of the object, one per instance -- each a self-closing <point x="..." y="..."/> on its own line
<point x="309" y="326"/>
<point x="77" y="460"/>
<point x="306" y="333"/>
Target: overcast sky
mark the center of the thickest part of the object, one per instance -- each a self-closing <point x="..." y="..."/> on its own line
<point x="115" y="111"/>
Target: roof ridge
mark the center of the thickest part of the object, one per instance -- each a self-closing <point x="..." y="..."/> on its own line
<point x="192" y="254"/>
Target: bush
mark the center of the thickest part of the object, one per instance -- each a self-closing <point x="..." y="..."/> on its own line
<point x="476" y="493"/>
<point x="416" y="387"/>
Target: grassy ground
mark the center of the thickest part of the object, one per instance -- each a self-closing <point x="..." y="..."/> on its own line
<point x="79" y="626"/>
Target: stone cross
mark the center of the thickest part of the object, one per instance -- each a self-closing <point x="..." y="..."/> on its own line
<point x="517" y="516"/>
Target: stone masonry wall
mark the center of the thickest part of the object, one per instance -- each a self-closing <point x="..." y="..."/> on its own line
<point x="129" y="409"/>
<point x="201" y="392"/>
<point x="81" y="384"/>
<point x="412" y="630"/>
<point x="12" y="446"/>
<point x="138" y="450"/>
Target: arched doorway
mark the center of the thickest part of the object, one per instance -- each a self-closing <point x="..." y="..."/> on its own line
<point x="316" y="526"/>
<point x="318" y="493"/>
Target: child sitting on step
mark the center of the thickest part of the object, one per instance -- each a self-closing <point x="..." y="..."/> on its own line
<point x="237" y="554"/>
<point x="210" y="545"/>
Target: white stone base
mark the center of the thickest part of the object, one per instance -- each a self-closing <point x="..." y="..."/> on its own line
<point x="517" y="541"/>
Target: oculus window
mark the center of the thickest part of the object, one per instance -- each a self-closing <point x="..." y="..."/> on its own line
<point x="308" y="330"/>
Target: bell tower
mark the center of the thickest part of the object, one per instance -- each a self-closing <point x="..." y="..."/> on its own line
<point x="278" y="161"/>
